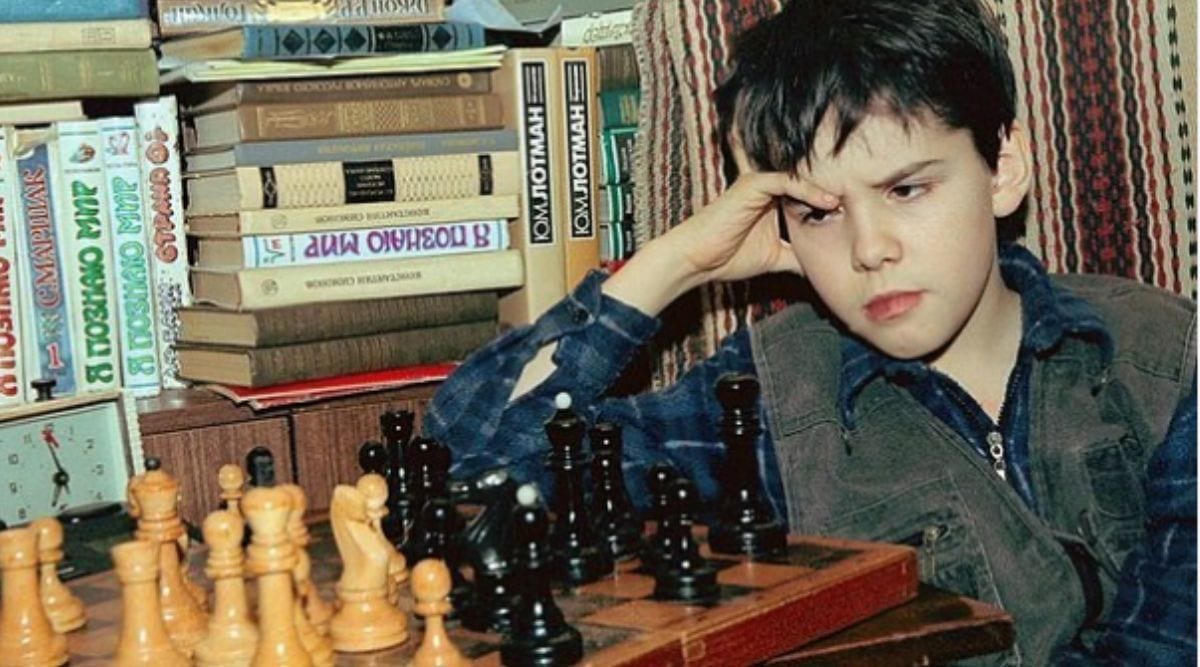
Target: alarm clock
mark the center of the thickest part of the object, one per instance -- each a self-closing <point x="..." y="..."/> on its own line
<point x="68" y="453"/>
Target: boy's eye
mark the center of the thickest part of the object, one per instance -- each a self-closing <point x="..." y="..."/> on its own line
<point x="908" y="190"/>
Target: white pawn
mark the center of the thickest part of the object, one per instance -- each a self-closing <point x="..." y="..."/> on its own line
<point x="431" y="588"/>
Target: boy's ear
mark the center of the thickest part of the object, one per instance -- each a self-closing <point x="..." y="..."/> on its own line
<point x="1014" y="172"/>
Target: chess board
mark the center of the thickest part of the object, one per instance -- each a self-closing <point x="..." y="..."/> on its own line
<point x="766" y="607"/>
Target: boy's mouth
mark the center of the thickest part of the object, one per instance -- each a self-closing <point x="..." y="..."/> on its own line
<point x="891" y="305"/>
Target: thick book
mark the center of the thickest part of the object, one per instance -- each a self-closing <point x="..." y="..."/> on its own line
<point x="127" y="215"/>
<point x="353" y="216"/>
<point x="319" y="41"/>
<point x="579" y="163"/>
<point x="248" y="289"/>
<point x="356" y="245"/>
<point x="158" y="149"/>
<point x="529" y="81"/>
<point x="336" y="118"/>
<point x="27" y="11"/>
<point x="202" y="98"/>
<point x="258" y="367"/>
<point x="41" y="113"/>
<point x="206" y="325"/>
<point x="75" y="36"/>
<point x="47" y="303"/>
<point x="12" y="336"/>
<point x="352" y="149"/>
<point x="333" y="183"/>
<point x="177" y="17"/>
<point x="82" y="214"/>
<point x="71" y="74"/>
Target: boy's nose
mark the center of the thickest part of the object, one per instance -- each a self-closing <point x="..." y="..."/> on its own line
<point x="874" y="244"/>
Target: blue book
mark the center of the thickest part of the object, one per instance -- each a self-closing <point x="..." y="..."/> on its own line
<point x="39" y="11"/>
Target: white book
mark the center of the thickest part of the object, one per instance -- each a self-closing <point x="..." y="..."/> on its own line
<point x="356" y="245"/>
<point x="82" y="218"/>
<point x="12" y="338"/>
<point x="158" y="129"/>
<point x="135" y="303"/>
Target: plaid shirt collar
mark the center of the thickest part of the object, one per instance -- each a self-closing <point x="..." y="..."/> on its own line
<point x="1048" y="314"/>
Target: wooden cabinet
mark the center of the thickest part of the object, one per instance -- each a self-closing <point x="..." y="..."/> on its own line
<point x="194" y="432"/>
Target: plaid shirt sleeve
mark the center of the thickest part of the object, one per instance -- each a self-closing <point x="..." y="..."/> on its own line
<point x="595" y="337"/>
<point x="1153" y="618"/>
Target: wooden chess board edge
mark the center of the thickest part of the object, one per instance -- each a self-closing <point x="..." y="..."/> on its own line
<point x="774" y="620"/>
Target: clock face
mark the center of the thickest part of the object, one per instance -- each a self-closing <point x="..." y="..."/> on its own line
<point x="52" y="462"/>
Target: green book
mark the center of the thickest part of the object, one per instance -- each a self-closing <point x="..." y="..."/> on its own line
<point x="73" y="74"/>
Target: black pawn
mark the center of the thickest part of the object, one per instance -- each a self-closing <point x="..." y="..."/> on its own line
<point x="373" y="458"/>
<point x="681" y="573"/>
<point x="396" y="428"/>
<point x="658" y="481"/>
<point x="540" y="634"/>
<point x="616" y="522"/>
<point x="745" y="524"/>
<point x="578" y="556"/>
<point x="488" y="548"/>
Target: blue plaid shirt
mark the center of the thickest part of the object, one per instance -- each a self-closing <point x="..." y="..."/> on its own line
<point x="1155" y="610"/>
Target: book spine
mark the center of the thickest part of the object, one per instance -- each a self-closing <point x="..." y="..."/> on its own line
<point x="12" y="338"/>
<point x="367" y="117"/>
<point x="50" y="355"/>
<point x="359" y="216"/>
<point x="369" y="353"/>
<point x="135" y="301"/>
<point x="72" y="10"/>
<point x="400" y="180"/>
<point x="268" y="153"/>
<point x="580" y="164"/>
<point x="601" y="29"/>
<point x="305" y="42"/>
<point x="618" y="144"/>
<point x="462" y="82"/>
<point x="90" y="35"/>
<point x="68" y="74"/>
<point x="619" y="107"/>
<point x="251" y="289"/>
<point x="531" y="79"/>
<point x="372" y="244"/>
<point x="83" y="221"/>
<point x="158" y="149"/>
<point x="177" y="17"/>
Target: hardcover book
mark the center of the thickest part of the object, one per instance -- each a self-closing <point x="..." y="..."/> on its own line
<point x="158" y="150"/>
<point x="12" y="336"/>
<point x="41" y="113"/>
<point x="338" y="118"/>
<point x="322" y="41"/>
<point x="127" y="215"/>
<point x="24" y="11"/>
<point x="258" y="367"/>
<point x="353" y="216"/>
<point x="75" y="36"/>
<point x="68" y="74"/>
<point x="47" y="302"/>
<point x="82" y="213"/>
<point x="333" y="183"/>
<point x="529" y="82"/>
<point x="249" y="289"/>
<point x="227" y="94"/>
<point x="352" y="149"/>
<point x="205" y="325"/>
<point x="580" y="163"/>
<point x="176" y="17"/>
<point x="357" y="245"/>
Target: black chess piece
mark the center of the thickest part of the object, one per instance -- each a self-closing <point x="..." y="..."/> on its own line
<point x="745" y="523"/>
<point x="658" y="481"/>
<point x="578" y="557"/>
<point x="373" y="458"/>
<point x="396" y="428"/>
<point x="615" y="520"/>
<point x="540" y="634"/>
<point x="260" y="467"/>
<point x="488" y="548"/>
<point x="681" y="573"/>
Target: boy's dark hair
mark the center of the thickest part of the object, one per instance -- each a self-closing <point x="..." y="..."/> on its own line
<point x="848" y="58"/>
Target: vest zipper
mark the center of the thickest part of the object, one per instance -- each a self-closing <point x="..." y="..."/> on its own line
<point x="924" y="541"/>
<point x="1087" y="530"/>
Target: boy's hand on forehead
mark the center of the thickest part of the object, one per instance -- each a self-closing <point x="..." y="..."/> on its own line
<point x="737" y="235"/>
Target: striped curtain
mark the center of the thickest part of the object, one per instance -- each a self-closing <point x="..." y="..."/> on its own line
<point x="1099" y="86"/>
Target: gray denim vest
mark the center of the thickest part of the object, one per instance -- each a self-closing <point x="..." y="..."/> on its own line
<point x="901" y="475"/>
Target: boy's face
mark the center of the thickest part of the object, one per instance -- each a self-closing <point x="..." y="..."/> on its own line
<point x="908" y="261"/>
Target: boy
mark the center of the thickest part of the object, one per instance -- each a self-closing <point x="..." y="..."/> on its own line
<point x="946" y="392"/>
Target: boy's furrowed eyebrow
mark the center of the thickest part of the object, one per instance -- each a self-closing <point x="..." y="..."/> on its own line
<point x="903" y="173"/>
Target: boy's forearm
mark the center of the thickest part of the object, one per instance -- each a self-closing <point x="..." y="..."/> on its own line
<point x="653" y="278"/>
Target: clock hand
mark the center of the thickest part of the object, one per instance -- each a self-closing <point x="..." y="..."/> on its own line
<point x="61" y="479"/>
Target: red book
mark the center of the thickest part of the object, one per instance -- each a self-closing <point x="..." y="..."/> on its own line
<point x="307" y="391"/>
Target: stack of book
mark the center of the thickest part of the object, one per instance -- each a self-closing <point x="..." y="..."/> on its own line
<point x="620" y="97"/>
<point x="349" y="222"/>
